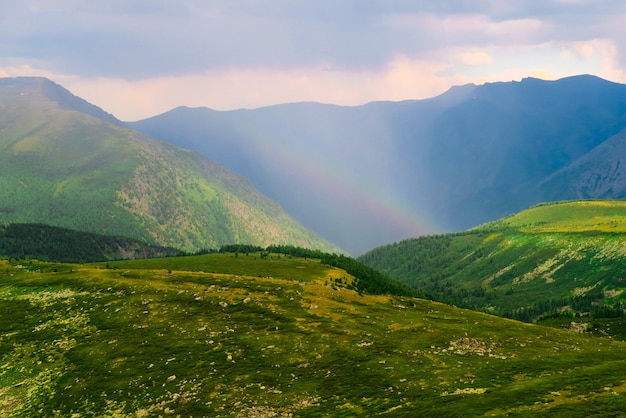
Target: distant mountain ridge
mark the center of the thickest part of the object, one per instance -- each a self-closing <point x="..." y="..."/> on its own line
<point x="468" y="156"/>
<point x="66" y="163"/>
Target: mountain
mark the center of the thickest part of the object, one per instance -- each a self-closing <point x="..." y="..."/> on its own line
<point x="598" y="174"/>
<point x="368" y="175"/>
<point x="564" y="259"/>
<point x="62" y="97"/>
<point x="275" y="336"/>
<point x="66" y="163"/>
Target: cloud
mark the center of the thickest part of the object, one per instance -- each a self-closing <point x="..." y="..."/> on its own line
<point x="402" y="78"/>
<point x="475" y="58"/>
<point x="142" y="57"/>
<point x="582" y="50"/>
<point x="143" y="39"/>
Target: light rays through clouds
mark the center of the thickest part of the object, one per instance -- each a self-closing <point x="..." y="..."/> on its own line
<point x="136" y="59"/>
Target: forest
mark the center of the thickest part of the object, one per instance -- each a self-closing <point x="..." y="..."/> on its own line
<point x="49" y="243"/>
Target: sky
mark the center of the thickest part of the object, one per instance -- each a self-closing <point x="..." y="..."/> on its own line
<point x="140" y="58"/>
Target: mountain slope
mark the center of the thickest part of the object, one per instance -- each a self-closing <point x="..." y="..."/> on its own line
<point x="42" y="86"/>
<point x="367" y="175"/>
<point x="598" y="174"/>
<point x="67" y="168"/>
<point x="276" y="340"/>
<point x="564" y="258"/>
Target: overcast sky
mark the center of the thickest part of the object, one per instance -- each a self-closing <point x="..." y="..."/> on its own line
<point x="138" y="58"/>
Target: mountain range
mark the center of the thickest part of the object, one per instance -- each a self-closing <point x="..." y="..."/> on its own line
<point x="67" y="163"/>
<point x="358" y="176"/>
<point x="368" y="175"/>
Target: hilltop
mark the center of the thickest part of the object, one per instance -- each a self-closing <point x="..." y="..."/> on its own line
<point x="66" y="163"/>
<point x="564" y="259"/>
<point x="261" y="334"/>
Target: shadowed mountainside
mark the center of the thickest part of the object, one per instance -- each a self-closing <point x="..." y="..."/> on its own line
<point x="368" y="175"/>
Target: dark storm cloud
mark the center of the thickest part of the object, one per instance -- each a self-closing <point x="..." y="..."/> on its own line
<point x="138" y="39"/>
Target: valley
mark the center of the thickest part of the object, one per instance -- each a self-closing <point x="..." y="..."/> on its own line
<point x="365" y="176"/>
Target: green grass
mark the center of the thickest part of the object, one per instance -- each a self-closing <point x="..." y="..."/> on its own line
<point x="568" y="216"/>
<point x="278" y="266"/>
<point x="219" y="335"/>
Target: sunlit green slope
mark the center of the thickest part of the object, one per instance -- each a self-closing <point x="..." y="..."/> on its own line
<point x="207" y="339"/>
<point x="565" y="258"/>
<point x="63" y="167"/>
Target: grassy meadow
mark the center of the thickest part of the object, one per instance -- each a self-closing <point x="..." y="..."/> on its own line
<point x="235" y="335"/>
<point x="568" y="216"/>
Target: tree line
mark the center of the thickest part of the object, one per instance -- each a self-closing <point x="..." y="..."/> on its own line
<point x="50" y="243"/>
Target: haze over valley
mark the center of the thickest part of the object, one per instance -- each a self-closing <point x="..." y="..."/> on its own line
<point x="374" y="174"/>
